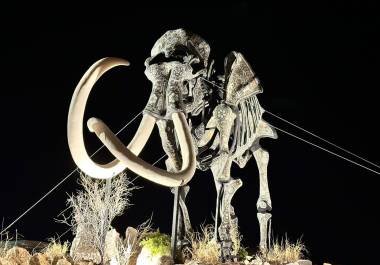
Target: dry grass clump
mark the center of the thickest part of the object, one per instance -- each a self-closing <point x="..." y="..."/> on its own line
<point x="124" y="253"/>
<point x="56" y="250"/>
<point x="4" y="244"/>
<point x="203" y="246"/>
<point x="129" y="248"/>
<point x="283" y="252"/>
<point x="238" y="250"/>
<point x="7" y="241"/>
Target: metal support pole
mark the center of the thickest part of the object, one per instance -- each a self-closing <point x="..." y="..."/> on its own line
<point x="219" y="194"/>
<point x="175" y="223"/>
<point x="105" y="227"/>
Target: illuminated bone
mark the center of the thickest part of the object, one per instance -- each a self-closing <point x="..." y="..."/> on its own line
<point x="265" y="229"/>
<point x="75" y="124"/>
<point x="184" y="89"/>
<point x="125" y="158"/>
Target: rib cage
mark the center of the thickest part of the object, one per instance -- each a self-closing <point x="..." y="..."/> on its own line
<point x="249" y="113"/>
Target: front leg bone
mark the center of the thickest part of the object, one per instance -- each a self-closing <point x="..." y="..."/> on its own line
<point x="228" y="229"/>
<point x="167" y="135"/>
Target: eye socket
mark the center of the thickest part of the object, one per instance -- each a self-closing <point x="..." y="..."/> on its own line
<point x="197" y="67"/>
<point x="188" y="100"/>
<point x="179" y="54"/>
<point x="176" y="55"/>
<point x="159" y="58"/>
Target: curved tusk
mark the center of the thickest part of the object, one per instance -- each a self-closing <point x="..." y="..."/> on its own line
<point x="75" y="124"/>
<point x="142" y="168"/>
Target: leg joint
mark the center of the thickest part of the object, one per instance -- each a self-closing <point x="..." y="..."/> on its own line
<point x="264" y="206"/>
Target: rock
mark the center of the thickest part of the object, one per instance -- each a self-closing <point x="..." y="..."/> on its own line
<point x="192" y="262"/>
<point x="166" y="260"/>
<point x="135" y="254"/>
<point x="63" y="261"/>
<point x="54" y="255"/>
<point x="54" y="260"/>
<point x="255" y="261"/>
<point x="301" y="262"/>
<point x="74" y="245"/>
<point x="18" y="255"/>
<point x="146" y="258"/>
<point x="304" y="262"/>
<point x="39" y="259"/>
<point x="82" y="251"/>
<point x="111" y="242"/>
<point x="131" y="235"/>
<point x="4" y="261"/>
<point x="83" y="248"/>
<point x="83" y="262"/>
<point x="113" y="261"/>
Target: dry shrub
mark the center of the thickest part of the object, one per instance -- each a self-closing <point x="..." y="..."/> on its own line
<point x="203" y="246"/>
<point x="7" y="241"/>
<point x="56" y="250"/>
<point x="4" y="244"/>
<point x="283" y="252"/>
<point x="129" y="248"/>
<point x="238" y="250"/>
<point x="95" y="206"/>
<point x="124" y="252"/>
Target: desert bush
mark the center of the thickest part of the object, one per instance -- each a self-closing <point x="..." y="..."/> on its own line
<point x="4" y="244"/>
<point x="203" y="246"/>
<point x="95" y="206"/>
<point x="7" y="241"/>
<point x="56" y="250"/>
<point x="283" y="252"/>
<point x="237" y="248"/>
<point x="129" y="248"/>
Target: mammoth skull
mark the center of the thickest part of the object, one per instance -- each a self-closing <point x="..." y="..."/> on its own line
<point x="178" y="60"/>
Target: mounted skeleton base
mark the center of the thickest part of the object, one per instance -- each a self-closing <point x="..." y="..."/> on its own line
<point x="204" y="120"/>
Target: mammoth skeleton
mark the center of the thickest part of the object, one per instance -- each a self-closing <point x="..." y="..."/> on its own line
<point x="205" y="121"/>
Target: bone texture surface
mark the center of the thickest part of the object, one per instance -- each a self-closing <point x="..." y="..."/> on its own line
<point x="205" y="119"/>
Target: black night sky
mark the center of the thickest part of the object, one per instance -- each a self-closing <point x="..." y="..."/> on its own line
<point x="319" y="67"/>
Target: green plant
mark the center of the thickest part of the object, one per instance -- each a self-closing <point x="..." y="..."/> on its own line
<point x="242" y="254"/>
<point x="157" y="243"/>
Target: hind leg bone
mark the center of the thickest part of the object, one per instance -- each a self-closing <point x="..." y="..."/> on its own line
<point x="264" y="204"/>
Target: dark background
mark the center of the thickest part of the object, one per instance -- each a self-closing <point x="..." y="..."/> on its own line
<point x="318" y="64"/>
